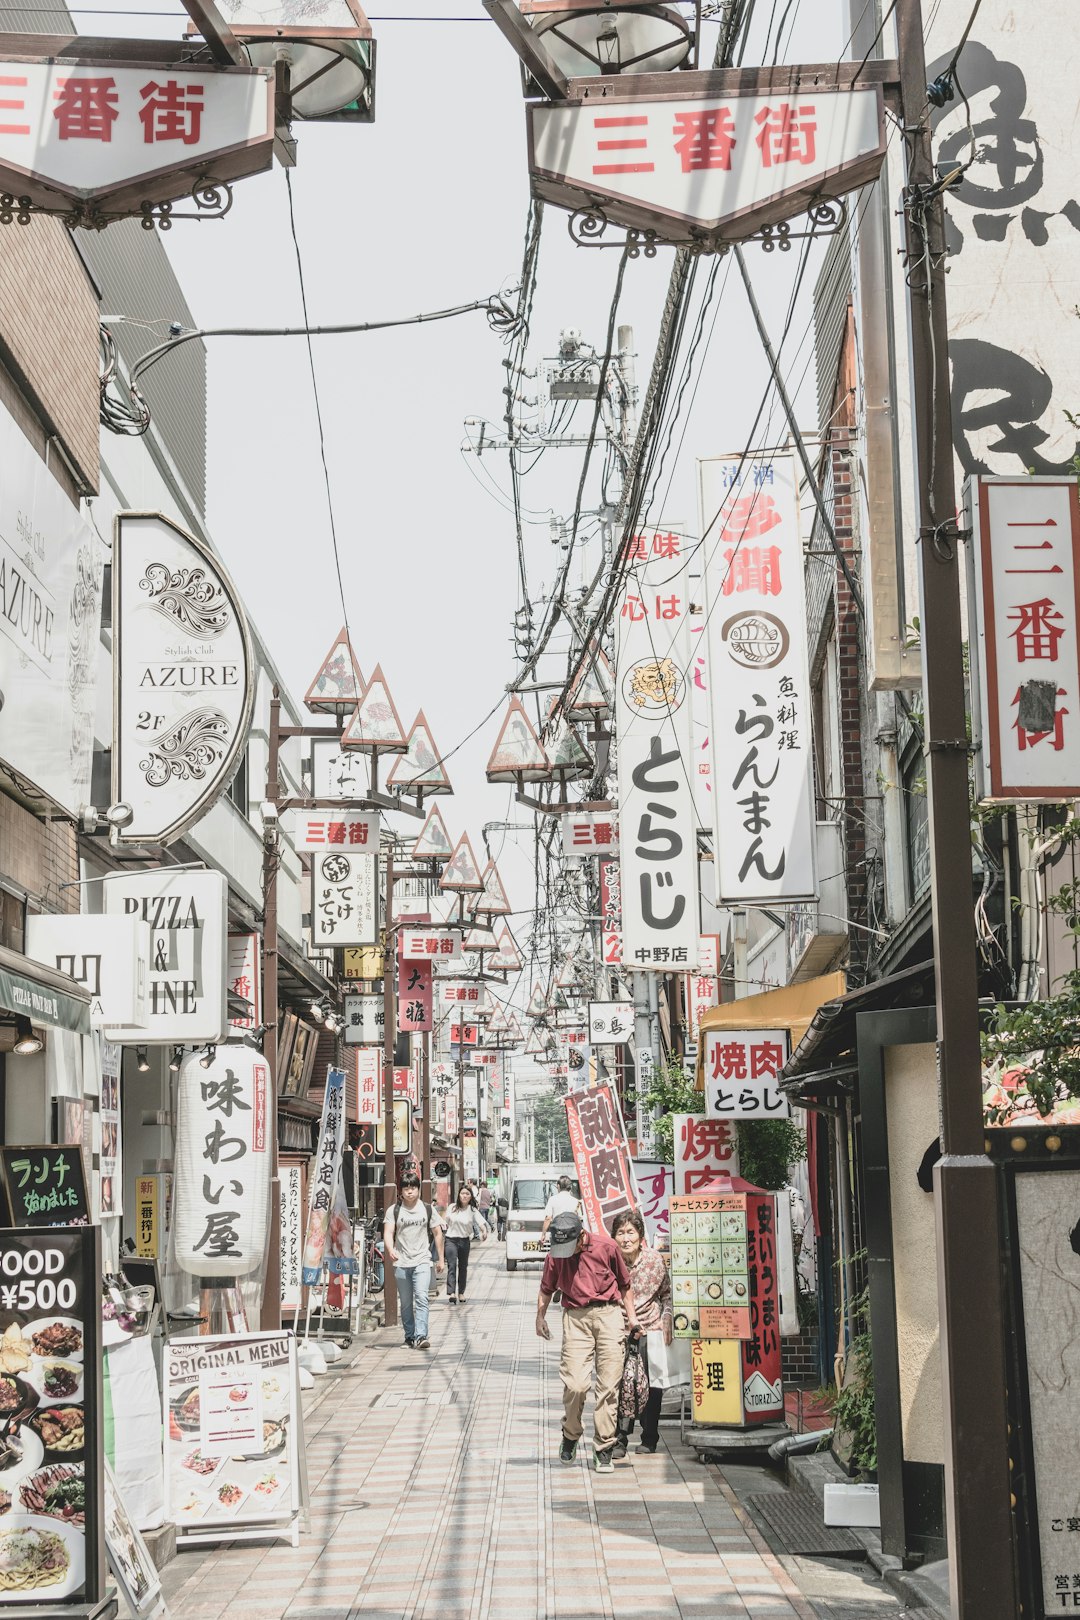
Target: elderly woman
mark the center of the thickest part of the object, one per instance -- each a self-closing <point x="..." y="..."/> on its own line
<point x="651" y="1287"/>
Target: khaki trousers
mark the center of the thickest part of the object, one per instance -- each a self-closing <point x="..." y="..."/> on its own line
<point x="593" y="1338"/>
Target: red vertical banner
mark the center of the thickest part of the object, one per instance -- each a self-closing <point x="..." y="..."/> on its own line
<point x="415" y="988"/>
<point x="762" y="1382"/>
<point x="611" y="913"/>
<point x="601" y="1155"/>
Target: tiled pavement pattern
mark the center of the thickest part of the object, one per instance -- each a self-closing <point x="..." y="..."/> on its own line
<point x="437" y="1494"/>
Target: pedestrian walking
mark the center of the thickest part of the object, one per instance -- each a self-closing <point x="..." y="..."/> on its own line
<point x="503" y="1212"/>
<point x="409" y="1228"/>
<point x="563" y="1201"/>
<point x="588" y="1269"/>
<point x="651" y="1287"/>
<point x="463" y="1223"/>
<point x="484" y="1203"/>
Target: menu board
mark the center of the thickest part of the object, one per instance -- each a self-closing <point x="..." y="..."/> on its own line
<point x="710" y="1272"/>
<point x="129" y="1556"/>
<point x="231" y="1441"/>
<point x="45" y="1185"/>
<point x="51" y="1520"/>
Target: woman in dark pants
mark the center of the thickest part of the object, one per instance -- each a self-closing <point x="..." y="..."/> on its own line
<point x="461" y="1222"/>
<point x="652" y="1301"/>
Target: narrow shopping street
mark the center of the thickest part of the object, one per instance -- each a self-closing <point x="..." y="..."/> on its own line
<point x="436" y="1494"/>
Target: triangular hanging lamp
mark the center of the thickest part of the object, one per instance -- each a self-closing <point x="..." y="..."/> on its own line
<point x="339" y="685"/>
<point x="570" y="759"/>
<point x="462" y="871"/>
<point x="375" y="727"/>
<point x="507" y="958"/>
<point x="591" y="694"/>
<point x="493" y="901"/>
<point x="498" y="1020"/>
<point x="434" y="840"/>
<point x="538" y="1006"/>
<point x="513" y="1026"/>
<point x="535" y="1043"/>
<point x="480" y="939"/>
<point x="420" y="767"/>
<point x="518" y="754"/>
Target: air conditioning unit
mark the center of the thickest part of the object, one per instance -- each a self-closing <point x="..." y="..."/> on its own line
<point x="817" y="929"/>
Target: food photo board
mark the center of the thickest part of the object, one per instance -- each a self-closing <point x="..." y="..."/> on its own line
<point x="710" y="1277"/>
<point x="232" y="1438"/>
<point x="129" y="1557"/>
<point x="51" y="1463"/>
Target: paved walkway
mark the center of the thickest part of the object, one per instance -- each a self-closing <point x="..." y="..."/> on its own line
<point x="437" y="1494"/>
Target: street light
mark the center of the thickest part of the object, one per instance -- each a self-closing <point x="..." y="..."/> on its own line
<point x="589" y="37"/>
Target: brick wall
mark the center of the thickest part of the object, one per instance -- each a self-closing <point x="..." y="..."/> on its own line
<point x="49" y="337"/>
<point x="799" y="1359"/>
<point x="37" y="856"/>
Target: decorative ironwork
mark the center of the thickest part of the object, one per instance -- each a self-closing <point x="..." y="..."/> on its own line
<point x="825" y="217"/>
<point x="212" y="198"/>
<point x="188" y="596"/>
<point x="188" y="750"/>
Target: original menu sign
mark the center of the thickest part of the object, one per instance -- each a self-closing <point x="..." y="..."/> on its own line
<point x="51" y="1463"/>
<point x="44" y="1186"/>
<point x="231" y="1442"/>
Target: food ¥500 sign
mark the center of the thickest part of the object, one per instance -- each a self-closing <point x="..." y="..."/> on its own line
<point x="183" y="684"/>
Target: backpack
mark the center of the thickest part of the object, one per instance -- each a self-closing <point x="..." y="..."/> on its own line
<point x="397" y="1212"/>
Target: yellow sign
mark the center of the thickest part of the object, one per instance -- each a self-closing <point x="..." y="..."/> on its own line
<point x="402" y="1127"/>
<point x="146" y="1217"/>
<point x="716" y="1381"/>
<point x="363" y="962"/>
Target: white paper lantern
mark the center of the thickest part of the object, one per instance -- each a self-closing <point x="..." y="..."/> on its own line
<point x="221" y="1195"/>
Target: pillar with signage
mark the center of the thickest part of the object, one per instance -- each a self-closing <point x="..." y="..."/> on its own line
<point x="726" y="1299"/>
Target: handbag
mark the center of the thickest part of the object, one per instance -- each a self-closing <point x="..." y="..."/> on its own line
<point x="634" y="1386"/>
<point x="669" y="1364"/>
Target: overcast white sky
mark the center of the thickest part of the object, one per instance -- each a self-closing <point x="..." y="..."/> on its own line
<point x="423" y="209"/>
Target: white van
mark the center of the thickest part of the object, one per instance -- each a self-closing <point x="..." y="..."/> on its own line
<point x="527" y="1189"/>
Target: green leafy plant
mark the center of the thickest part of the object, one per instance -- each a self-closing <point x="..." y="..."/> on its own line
<point x="767" y="1149"/>
<point x="855" y="1426"/>
<point x="672" y="1092"/>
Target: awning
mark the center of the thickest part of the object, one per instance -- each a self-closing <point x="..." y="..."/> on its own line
<point x="829" y="1043"/>
<point x="792" y="1008"/>
<point x="41" y="994"/>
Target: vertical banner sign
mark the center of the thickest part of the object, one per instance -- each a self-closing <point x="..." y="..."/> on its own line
<point x="655" y="1182"/>
<point x="183" y="678"/>
<point x="52" y="1551"/>
<point x="1027" y="612"/>
<point x="610" y="913"/>
<point x="112" y="1172"/>
<point x="741" y="1070"/>
<point x="290" y="1179"/>
<point x="147" y="1244"/>
<point x="657" y="820"/>
<point x="222" y="1164"/>
<point x="758" y="680"/>
<point x="701" y="987"/>
<point x="188" y="916"/>
<point x="344" y="898"/>
<point x="369" y="1085"/>
<point x="704" y="1149"/>
<point x="601" y="1155"/>
<point x="365" y="1020"/>
<point x="415" y="995"/>
<point x="244" y="979"/>
<point x="325" y="1177"/>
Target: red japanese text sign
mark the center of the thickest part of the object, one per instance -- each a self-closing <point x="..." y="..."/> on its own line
<point x="1026" y="542"/>
<point x="601" y="1155"/>
<point x="709" y="153"/>
<point x="590" y="832"/>
<point x="702" y="989"/>
<point x="741" y="1073"/>
<point x="704" y="1149"/>
<point x="758" y="680"/>
<point x="342" y="829"/>
<point x="73" y="130"/>
<point x="611" y="913"/>
<point x="369" y="1085"/>
<point x="415" y="1011"/>
<point x="430" y="944"/>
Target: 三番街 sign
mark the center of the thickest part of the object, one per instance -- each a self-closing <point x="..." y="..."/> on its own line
<point x="183" y="686"/>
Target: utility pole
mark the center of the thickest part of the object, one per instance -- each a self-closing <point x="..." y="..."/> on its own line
<point x="970" y="1290"/>
<point x="425" y="1127"/>
<point x="390" y="1302"/>
<point x="270" y="1316"/>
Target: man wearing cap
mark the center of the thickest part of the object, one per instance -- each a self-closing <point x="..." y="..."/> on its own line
<point x="589" y="1271"/>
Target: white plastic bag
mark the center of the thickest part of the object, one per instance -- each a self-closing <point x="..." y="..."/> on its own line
<point x="669" y="1364"/>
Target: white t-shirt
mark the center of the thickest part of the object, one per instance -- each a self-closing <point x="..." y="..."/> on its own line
<point x="562" y="1203"/>
<point x="410" y="1237"/>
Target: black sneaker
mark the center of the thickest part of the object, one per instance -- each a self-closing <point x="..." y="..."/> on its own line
<point x="422" y="1343"/>
<point x="618" y="1450"/>
<point x="568" y="1451"/>
<point x="602" y="1462"/>
<point x="410" y="1343"/>
<point x="645" y="1447"/>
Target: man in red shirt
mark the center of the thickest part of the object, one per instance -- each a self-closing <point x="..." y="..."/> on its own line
<point x="591" y="1274"/>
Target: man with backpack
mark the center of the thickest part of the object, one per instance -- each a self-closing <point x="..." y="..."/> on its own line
<point x="409" y="1227"/>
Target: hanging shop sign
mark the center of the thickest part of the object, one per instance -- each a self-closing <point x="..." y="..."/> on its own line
<point x="702" y="987"/>
<point x="590" y="832"/>
<point x="324" y="1239"/>
<point x="244" y="978"/>
<point x="335" y="829"/>
<point x="464" y="1034"/>
<point x="188" y="916"/>
<point x="44" y="1186"/>
<point x="601" y="1155"/>
<point x="415" y="1012"/>
<point x="362" y="962"/>
<point x="704" y="1149"/>
<point x="1026" y="546"/>
<point x="153" y="1212"/>
<point x="365" y="1020"/>
<point x="610" y="913"/>
<point x="52" y="1543"/>
<point x="338" y="773"/>
<point x="742" y="1068"/>
<point x="232" y="1435"/>
<point x="111" y="1177"/>
<point x="759" y="680"/>
<point x="402" y="1128"/>
<point x="463" y="995"/>
<point x="369" y="1084"/>
<point x="222" y="1164"/>
<point x="657" y="823"/>
<point x="108" y="956"/>
<point x="711" y="157"/>
<point x="655" y="1182"/>
<point x="290" y="1230"/>
<point x="427" y="944"/>
<point x="611" y="1023"/>
<point x="344" y="899"/>
<point x="183" y="682"/>
<point x="103" y="138"/>
<point x="50" y="623"/>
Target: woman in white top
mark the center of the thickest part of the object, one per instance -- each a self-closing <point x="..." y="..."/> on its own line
<point x="462" y="1222"/>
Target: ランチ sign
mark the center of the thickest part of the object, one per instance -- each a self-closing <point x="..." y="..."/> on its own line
<point x="712" y="155"/>
<point x="221" y="1198"/>
<point x="759" y="681"/>
<point x="1026" y="544"/>
<point x="79" y="131"/>
<point x="183" y="684"/>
